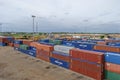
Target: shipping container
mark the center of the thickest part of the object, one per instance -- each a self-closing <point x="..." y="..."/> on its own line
<point x="111" y="75"/>
<point x="112" y="67"/>
<point x="86" y="64"/>
<point x="91" y="56"/>
<point x="17" y="45"/>
<point x="102" y="43"/>
<point x="27" y="42"/>
<point x="107" y="48"/>
<point x="18" y="41"/>
<point x="43" y="57"/>
<point x="59" y="62"/>
<point x="43" y="52"/>
<point x="24" y="47"/>
<point x="32" y="53"/>
<point x="68" y="43"/>
<point x="88" y="72"/>
<point x="61" y="48"/>
<point x="32" y="48"/>
<point x="3" y="44"/>
<point x="112" y="58"/>
<point x="42" y="46"/>
<point x="84" y="45"/>
<point x="60" y="56"/>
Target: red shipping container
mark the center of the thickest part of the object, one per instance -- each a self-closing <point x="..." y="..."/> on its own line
<point x="43" y="57"/>
<point x="61" y="57"/>
<point x="112" y="67"/>
<point x="43" y="52"/>
<point x="93" y="67"/>
<point x="16" y="45"/>
<point x="86" y="71"/>
<point x="91" y="56"/>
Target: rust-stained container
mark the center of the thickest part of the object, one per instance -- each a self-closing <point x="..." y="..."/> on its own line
<point x="41" y="46"/>
<point x="112" y="67"/>
<point x="91" y="56"/>
<point x="16" y="45"/>
<point x="43" y="52"/>
<point x="61" y="57"/>
<point x="88" y="72"/>
<point x="107" y="48"/>
<point x="27" y="42"/>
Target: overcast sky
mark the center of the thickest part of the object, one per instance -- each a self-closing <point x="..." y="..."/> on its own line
<point x="61" y="15"/>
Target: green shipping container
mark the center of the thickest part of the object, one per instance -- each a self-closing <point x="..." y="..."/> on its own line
<point x="25" y="47"/>
<point x="111" y="75"/>
<point x="56" y="42"/>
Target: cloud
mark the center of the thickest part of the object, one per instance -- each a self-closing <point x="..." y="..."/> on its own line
<point x="61" y="15"/>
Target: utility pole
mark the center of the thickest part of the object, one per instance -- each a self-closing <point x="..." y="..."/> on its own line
<point x="33" y="25"/>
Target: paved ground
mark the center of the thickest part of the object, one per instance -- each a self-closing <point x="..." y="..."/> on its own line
<point x="15" y="65"/>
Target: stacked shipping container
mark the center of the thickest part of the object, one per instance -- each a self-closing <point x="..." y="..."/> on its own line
<point x="60" y="56"/>
<point x="80" y="59"/>
<point x="86" y="62"/>
<point x="112" y="66"/>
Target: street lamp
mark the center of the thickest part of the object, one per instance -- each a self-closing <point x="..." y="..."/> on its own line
<point x="1" y="28"/>
<point x="33" y="16"/>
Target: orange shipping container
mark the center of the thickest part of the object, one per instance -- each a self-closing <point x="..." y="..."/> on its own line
<point x="27" y="42"/>
<point x="42" y="46"/>
<point x="107" y="48"/>
<point x="43" y="57"/>
<point x="112" y="67"/>
<point x="101" y="43"/>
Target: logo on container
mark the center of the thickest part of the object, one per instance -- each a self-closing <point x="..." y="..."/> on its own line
<point x="83" y="45"/>
<point x="30" y="53"/>
<point x="60" y="63"/>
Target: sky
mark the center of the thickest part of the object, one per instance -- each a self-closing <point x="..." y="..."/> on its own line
<point x="60" y="15"/>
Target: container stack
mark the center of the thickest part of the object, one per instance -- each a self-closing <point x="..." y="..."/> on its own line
<point x="24" y="46"/>
<point x="112" y="66"/>
<point x="43" y="51"/>
<point x="60" y="56"/>
<point x="89" y="63"/>
<point x="6" y="40"/>
<point x="50" y="42"/>
<point x="17" y="44"/>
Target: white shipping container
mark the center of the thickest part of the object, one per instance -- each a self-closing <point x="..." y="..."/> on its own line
<point x="64" y="49"/>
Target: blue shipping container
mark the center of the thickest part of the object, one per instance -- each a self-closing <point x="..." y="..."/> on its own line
<point x="114" y="44"/>
<point x="32" y="53"/>
<point x="86" y="46"/>
<point x="44" y="40"/>
<point x="32" y="48"/>
<point x="112" y="57"/>
<point x="59" y="62"/>
<point x="18" y="42"/>
<point x="2" y="44"/>
<point x="68" y="43"/>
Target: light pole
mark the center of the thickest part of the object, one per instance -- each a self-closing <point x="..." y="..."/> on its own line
<point x="1" y="28"/>
<point x="33" y="16"/>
